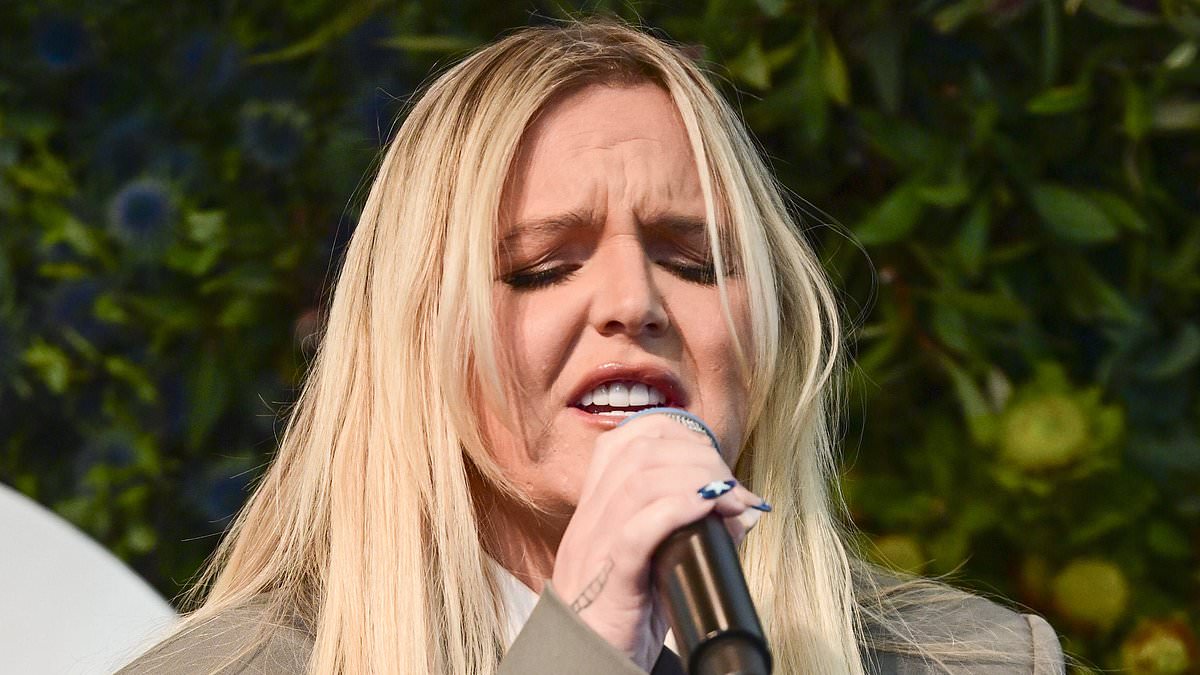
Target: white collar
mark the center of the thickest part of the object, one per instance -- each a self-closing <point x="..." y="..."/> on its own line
<point x="519" y="601"/>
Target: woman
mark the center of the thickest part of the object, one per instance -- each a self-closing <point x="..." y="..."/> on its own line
<point x="571" y="224"/>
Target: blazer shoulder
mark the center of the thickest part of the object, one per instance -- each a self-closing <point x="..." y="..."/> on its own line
<point x="240" y="640"/>
<point x="959" y="632"/>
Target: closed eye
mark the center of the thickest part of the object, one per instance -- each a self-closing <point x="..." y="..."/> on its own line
<point x="534" y="278"/>
<point x="704" y="274"/>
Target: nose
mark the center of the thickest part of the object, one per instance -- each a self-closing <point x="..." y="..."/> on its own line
<point x="626" y="299"/>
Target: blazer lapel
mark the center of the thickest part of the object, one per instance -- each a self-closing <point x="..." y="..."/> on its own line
<point x="668" y="663"/>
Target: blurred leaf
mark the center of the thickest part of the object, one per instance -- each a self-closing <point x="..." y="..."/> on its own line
<point x="239" y="311"/>
<point x="1138" y="116"/>
<point x="908" y="145"/>
<point x="837" y="80"/>
<point x="132" y="374"/>
<point x="48" y="175"/>
<point x="814" y="103"/>
<point x="981" y="420"/>
<point x="208" y="392"/>
<point x="1183" y="353"/>
<point x="751" y="66"/>
<point x="343" y="23"/>
<point x="1059" y="100"/>
<point x="953" y="192"/>
<point x="51" y="363"/>
<point x="108" y="309"/>
<point x="782" y="56"/>
<point x="1051" y="42"/>
<point x="1072" y="215"/>
<point x="1181" y="57"/>
<point x="893" y="219"/>
<point x="949" y="18"/>
<point x="972" y="237"/>
<point x="984" y="305"/>
<point x="772" y="8"/>
<point x="205" y="227"/>
<point x="194" y="261"/>
<point x="950" y="326"/>
<point x="1120" y="14"/>
<point x="447" y="44"/>
<point x="1177" y="115"/>
<point x="1167" y="540"/>
<point x="1182" y="16"/>
<point x="141" y="538"/>
<point x="1089" y="295"/>
<point x="1120" y="211"/>
<point x="1098" y="525"/>
<point x="884" y="55"/>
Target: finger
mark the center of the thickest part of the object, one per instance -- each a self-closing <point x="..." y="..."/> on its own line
<point x="614" y="504"/>
<point x="641" y="455"/>
<point x="662" y="427"/>
<point x="739" y="499"/>
<point x="740" y="525"/>
<point x="643" y="533"/>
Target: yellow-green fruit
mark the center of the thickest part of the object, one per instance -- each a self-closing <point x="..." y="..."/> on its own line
<point x="901" y="552"/>
<point x="1163" y="647"/>
<point x="1091" y="593"/>
<point x="1045" y="432"/>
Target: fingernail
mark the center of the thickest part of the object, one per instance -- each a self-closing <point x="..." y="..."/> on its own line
<point x="748" y="519"/>
<point x="716" y="488"/>
<point x="764" y="507"/>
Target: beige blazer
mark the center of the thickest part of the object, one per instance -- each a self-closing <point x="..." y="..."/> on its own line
<point x="554" y="640"/>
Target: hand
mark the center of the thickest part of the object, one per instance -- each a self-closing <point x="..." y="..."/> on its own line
<point x="641" y="486"/>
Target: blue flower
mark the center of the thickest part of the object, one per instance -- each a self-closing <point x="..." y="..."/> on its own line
<point x="62" y="43"/>
<point x="206" y="64"/>
<point x="142" y="215"/>
<point x="273" y="134"/>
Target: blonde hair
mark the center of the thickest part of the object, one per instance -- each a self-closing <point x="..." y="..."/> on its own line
<point x="393" y="579"/>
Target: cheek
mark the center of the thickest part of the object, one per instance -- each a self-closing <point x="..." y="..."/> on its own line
<point x="711" y="347"/>
<point x="536" y="336"/>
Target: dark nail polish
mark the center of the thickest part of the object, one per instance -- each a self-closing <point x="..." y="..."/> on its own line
<point x="764" y="507"/>
<point x="716" y="488"/>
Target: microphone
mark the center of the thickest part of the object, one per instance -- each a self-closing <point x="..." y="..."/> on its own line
<point x="698" y="578"/>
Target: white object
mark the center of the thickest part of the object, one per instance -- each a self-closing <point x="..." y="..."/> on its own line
<point x="67" y="605"/>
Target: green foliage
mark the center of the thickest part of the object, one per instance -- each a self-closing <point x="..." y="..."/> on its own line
<point x="176" y="185"/>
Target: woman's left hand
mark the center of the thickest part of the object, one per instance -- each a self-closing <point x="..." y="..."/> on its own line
<point x="642" y="485"/>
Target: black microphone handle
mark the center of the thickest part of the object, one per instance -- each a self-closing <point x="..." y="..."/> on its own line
<point x="699" y="579"/>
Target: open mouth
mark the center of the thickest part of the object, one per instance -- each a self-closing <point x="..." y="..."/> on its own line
<point x="621" y="398"/>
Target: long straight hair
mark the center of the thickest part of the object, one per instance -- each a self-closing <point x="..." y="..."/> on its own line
<point x="363" y="527"/>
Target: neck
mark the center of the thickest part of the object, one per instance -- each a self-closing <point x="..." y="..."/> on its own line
<point x="523" y="540"/>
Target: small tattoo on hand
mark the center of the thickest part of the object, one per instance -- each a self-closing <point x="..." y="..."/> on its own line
<point x="592" y="590"/>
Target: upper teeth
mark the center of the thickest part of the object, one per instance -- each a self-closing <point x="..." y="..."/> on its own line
<point x="623" y="394"/>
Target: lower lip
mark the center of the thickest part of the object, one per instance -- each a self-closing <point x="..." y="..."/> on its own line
<point x="603" y="421"/>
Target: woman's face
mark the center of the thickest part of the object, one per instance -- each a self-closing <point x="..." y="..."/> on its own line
<point x="606" y="301"/>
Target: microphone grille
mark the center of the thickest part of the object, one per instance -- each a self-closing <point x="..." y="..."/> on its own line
<point x="684" y="417"/>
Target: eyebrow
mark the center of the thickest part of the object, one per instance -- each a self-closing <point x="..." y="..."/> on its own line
<point x="549" y="227"/>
